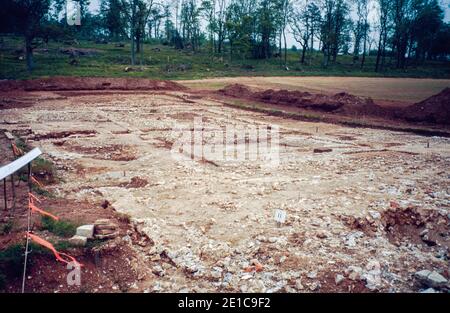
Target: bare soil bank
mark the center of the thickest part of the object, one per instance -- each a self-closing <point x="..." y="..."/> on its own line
<point x="88" y="83"/>
<point x="434" y="110"/>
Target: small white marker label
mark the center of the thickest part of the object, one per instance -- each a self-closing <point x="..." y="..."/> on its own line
<point x="280" y="216"/>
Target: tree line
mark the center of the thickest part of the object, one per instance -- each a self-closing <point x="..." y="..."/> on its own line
<point x="401" y="31"/>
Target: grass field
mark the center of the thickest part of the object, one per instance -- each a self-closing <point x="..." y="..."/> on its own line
<point x="163" y="62"/>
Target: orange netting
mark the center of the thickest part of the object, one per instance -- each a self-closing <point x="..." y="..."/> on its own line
<point x="37" y="182"/>
<point x="48" y="245"/>
<point x="35" y="209"/>
<point x="16" y="150"/>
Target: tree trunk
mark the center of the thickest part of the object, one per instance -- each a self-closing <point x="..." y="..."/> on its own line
<point x="219" y="44"/>
<point x="132" y="33"/>
<point x="326" y="56"/>
<point x="138" y="40"/>
<point x="279" y="45"/>
<point x="29" y="53"/>
<point x="285" y="49"/>
<point x="303" y="55"/>
<point x="383" y="50"/>
<point x="377" y="63"/>
<point x="363" y="59"/>
<point x="231" y="50"/>
<point x="356" y="47"/>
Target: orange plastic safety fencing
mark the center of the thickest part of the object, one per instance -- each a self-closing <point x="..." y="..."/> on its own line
<point x="35" y="209"/>
<point x="37" y="182"/>
<point x="32" y="198"/>
<point x="16" y="150"/>
<point x="59" y="255"/>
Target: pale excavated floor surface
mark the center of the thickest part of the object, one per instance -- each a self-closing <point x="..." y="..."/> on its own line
<point x="210" y="220"/>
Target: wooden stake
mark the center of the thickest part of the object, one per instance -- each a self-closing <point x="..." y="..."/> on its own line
<point x="4" y="194"/>
<point x="13" y="186"/>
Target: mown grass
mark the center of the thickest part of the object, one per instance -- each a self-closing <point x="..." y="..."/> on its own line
<point x="164" y="62"/>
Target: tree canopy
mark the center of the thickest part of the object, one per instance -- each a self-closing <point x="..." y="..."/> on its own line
<point x="404" y="31"/>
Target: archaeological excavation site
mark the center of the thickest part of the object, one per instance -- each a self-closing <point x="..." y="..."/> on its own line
<point x="154" y="186"/>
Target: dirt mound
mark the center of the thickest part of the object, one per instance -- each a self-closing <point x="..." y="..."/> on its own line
<point x="88" y="83"/>
<point x="361" y="106"/>
<point x="236" y="90"/>
<point x="435" y="109"/>
<point x="136" y="182"/>
<point x="339" y="103"/>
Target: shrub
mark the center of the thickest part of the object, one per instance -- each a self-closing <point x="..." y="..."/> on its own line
<point x="60" y="228"/>
<point x="6" y="229"/>
<point x="12" y="258"/>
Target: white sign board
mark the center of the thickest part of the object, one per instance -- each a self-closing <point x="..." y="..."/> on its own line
<point x="280" y="216"/>
<point x="16" y="165"/>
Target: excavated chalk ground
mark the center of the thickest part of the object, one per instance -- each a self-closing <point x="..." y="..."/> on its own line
<point x="211" y="221"/>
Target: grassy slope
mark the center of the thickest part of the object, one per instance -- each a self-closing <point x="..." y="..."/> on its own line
<point x="111" y="61"/>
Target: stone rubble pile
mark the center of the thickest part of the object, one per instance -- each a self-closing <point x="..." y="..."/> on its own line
<point x="102" y="229"/>
<point x="105" y="229"/>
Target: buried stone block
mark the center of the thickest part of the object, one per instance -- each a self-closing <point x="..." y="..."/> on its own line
<point x="78" y="241"/>
<point x="431" y="279"/>
<point x="107" y="236"/>
<point x="86" y="231"/>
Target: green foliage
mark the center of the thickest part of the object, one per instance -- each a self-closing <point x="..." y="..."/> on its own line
<point x="44" y="169"/>
<point x="12" y="258"/>
<point x="63" y="245"/>
<point x="41" y="168"/>
<point x="11" y="261"/>
<point x="2" y="281"/>
<point x="94" y="243"/>
<point x="124" y="217"/>
<point x="110" y="61"/>
<point x="62" y="228"/>
<point x="42" y="192"/>
<point x="6" y="228"/>
<point x="21" y="144"/>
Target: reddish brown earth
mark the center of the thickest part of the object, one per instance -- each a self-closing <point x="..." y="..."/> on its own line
<point x="106" y="266"/>
<point x="434" y="110"/>
<point x="398" y="90"/>
<point x="88" y="83"/>
<point x="340" y="102"/>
